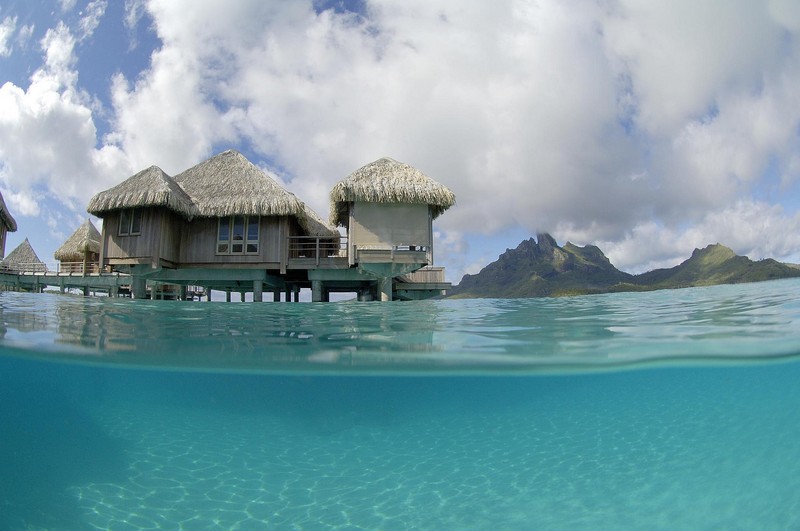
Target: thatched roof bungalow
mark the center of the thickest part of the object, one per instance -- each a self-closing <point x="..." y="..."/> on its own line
<point x="81" y="251"/>
<point x="7" y="224"/>
<point x="389" y="206"/>
<point x="23" y="259"/>
<point x="224" y="213"/>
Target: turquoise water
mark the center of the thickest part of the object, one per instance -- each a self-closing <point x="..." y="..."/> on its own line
<point x="663" y="410"/>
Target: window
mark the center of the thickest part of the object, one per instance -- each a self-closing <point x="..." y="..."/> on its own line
<point x="130" y="222"/>
<point x="238" y="235"/>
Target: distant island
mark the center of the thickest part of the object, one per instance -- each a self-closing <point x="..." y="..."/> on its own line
<point x="544" y="269"/>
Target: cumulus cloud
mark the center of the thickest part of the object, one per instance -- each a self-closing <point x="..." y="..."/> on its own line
<point x="48" y="136"/>
<point x="645" y="127"/>
<point x="752" y="228"/>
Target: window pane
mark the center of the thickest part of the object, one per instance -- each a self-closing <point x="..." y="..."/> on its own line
<point x="238" y="228"/>
<point x="136" y="221"/>
<point x="124" y="222"/>
<point x="222" y="248"/>
<point x="252" y="229"/>
<point x="237" y="248"/>
<point x="252" y="247"/>
<point x="224" y="232"/>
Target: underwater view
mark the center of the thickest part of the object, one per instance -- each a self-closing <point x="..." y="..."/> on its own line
<point x="672" y="409"/>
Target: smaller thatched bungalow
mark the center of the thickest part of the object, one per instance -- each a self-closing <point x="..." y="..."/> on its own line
<point x="388" y="209"/>
<point x="23" y="259"/>
<point x="388" y="205"/>
<point x="7" y="224"/>
<point x="80" y="253"/>
<point x="223" y="224"/>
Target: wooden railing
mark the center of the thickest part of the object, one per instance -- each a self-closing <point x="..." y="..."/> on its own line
<point x="316" y="248"/>
<point x="23" y="267"/>
<point x="78" y="267"/>
<point x="427" y="274"/>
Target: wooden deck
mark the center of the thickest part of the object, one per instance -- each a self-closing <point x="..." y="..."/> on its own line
<point x="323" y="265"/>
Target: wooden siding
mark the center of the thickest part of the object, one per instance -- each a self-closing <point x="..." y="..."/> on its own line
<point x="384" y="225"/>
<point x="199" y="243"/>
<point x="153" y="244"/>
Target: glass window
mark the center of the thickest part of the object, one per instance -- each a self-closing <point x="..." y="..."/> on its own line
<point x="224" y="233"/>
<point x="136" y="221"/>
<point x="124" y="222"/>
<point x="238" y="235"/>
<point x="238" y="228"/>
<point x="252" y="234"/>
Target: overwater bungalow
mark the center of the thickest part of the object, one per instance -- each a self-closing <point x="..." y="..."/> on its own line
<point x="226" y="225"/>
<point x="387" y="208"/>
<point x="80" y="253"/>
<point x="223" y="224"/>
<point x="7" y="224"/>
<point x="23" y="259"/>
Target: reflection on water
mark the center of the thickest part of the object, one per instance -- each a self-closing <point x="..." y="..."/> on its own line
<point x="722" y="322"/>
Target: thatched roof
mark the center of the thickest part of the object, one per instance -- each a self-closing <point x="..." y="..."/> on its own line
<point x="229" y="184"/>
<point x="315" y="225"/>
<point x="388" y="181"/>
<point x="148" y="188"/>
<point x="23" y="258"/>
<point x="5" y="216"/>
<point x="86" y="239"/>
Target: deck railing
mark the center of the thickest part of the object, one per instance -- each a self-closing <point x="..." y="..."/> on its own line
<point x="427" y="274"/>
<point x="317" y="248"/>
<point x="23" y="267"/>
<point x="78" y="267"/>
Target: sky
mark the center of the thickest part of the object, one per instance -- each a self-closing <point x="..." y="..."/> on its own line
<point x="646" y="128"/>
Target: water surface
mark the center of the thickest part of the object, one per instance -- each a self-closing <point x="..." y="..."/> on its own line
<point x="663" y="410"/>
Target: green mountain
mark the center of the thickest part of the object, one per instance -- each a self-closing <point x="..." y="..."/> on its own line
<point x="544" y="269"/>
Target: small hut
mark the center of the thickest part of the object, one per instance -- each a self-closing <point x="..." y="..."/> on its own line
<point x="7" y="224"/>
<point x="389" y="207"/>
<point x="23" y="259"/>
<point x="81" y="252"/>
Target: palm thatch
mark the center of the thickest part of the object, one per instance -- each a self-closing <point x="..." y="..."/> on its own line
<point x="85" y="240"/>
<point x="315" y="225"/>
<point x="229" y="184"/>
<point x="388" y="181"/>
<point x="5" y="216"/>
<point x="148" y="188"/>
<point x="23" y="258"/>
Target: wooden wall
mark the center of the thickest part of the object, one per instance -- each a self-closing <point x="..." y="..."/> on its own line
<point x="199" y="243"/>
<point x="152" y="244"/>
<point x="389" y="224"/>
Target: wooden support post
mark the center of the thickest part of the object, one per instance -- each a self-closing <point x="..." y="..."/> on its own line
<point x="182" y="293"/>
<point x="227" y="295"/>
<point x="258" y="290"/>
<point x="276" y="296"/>
<point x="241" y="296"/>
<point x="385" y="288"/>
<point x="138" y="287"/>
<point x="316" y="291"/>
<point x="86" y="291"/>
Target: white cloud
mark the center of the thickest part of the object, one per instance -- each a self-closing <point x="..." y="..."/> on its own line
<point x="619" y="123"/>
<point x="22" y="203"/>
<point x="48" y="136"/>
<point x="24" y="35"/>
<point x="90" y="18"/>
<point x="67" y="5"/>
<point x="751" y="228"/>
<point x="7" y="28"/>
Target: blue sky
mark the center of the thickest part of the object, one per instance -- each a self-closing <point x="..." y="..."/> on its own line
<point x="645" y="128"/>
